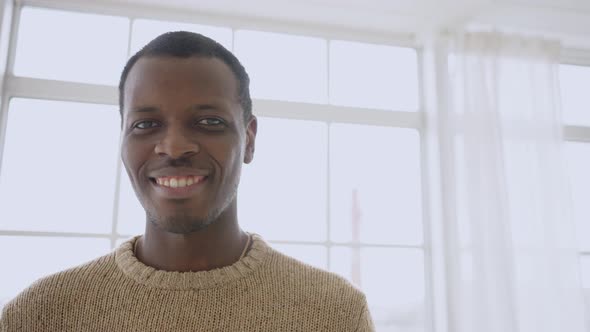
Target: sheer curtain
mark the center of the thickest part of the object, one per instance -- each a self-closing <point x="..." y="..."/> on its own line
<point x="507" y="233"/>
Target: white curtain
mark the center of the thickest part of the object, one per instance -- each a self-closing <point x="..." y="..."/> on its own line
<point x="510" y="256"/>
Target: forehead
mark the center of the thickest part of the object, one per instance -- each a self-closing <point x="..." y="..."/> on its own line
<point x="154" y="80"/>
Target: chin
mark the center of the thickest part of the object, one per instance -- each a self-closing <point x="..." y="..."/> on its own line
<point x="180" y="224"/>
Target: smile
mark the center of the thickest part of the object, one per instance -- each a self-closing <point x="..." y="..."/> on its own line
<point x="179" y="181"/>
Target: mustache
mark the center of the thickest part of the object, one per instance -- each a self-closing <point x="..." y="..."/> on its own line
<point x="185" y="162"/>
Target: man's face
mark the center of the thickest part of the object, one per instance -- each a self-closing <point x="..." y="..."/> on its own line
<point x="184" y="139"/>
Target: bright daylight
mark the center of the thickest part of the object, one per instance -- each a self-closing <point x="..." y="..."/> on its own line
<point x="406" y="166"/>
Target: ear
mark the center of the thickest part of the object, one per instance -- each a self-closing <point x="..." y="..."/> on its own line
<point x="251" y="130"/>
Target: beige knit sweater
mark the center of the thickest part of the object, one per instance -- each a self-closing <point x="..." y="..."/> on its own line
<point x="264" y="291"/>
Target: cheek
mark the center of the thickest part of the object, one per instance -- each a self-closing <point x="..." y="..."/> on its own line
<point x="126" y="155"/>
<point x="229" y="157"/>
<point x="133" y="155"/>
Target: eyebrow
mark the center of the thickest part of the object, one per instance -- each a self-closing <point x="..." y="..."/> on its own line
<point x="147" y="109"/>
<point x="204" y="107"/>
<point x="153" y="109"/>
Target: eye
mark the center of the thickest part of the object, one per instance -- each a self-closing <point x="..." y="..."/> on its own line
<point x="211" y="122"/>
<point x="146" y="124"/>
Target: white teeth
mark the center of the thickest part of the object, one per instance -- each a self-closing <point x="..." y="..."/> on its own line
<point x="179" y="182"/>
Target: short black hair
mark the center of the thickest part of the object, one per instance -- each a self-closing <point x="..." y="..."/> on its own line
<point x="184" y="44"/>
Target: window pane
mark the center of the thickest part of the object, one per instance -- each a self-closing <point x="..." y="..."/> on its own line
<point x="122" y="240"/>
<point x="283" y="192"/>
<point x="373" y="76"/>
<point x="131" y="216"/>
<point x="315" y="255"/>
<point x="146" y="30"/>
<point x="585" y="263"/>
<point x="42" y="256"/>
<point x="59" y="166"/>
<point x="284" y="67"/>
<point x="575" y="99"/>
<point x="70" y="46"/>
<point x="578" y="162"/>
<point x="395" y="293"/>
<point x="375" y="184"/>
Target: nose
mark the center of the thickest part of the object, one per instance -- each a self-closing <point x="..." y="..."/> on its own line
<point x="176" y="144"/>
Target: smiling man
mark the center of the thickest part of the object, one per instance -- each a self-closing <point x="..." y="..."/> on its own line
<point x="188" y="127"/>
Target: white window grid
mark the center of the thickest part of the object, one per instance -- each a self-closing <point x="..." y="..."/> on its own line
<point x="24" y="87"/>
<point x="34" y="88"/>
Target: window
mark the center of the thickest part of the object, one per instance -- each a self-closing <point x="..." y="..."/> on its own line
<point x="146" y="30"/>
<point x="51" y="254"/>
<point x="66" y="178"/>
<point x="286" y="178"/>
<point x="373" y="76"/>
<point x="68" y="46"/>
<point x="375" y="185"/>
<point x="284" y="67"/>
<point x="336" y="154"/>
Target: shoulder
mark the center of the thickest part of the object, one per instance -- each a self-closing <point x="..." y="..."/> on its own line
<point x="57" y="290"/>
<point x="317" y="294"/>
<point x="312" y="280"/>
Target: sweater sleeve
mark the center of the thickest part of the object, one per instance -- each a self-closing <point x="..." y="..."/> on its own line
<point x="365" y="323"/>
<point x="3" y="322"/>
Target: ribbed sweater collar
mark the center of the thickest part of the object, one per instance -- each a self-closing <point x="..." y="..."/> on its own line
<point x="150" y="277"/>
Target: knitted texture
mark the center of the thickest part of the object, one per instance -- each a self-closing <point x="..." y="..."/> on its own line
<point x="264" y="291"/>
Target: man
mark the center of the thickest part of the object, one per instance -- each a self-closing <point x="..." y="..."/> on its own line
<point x="187" y="127"/>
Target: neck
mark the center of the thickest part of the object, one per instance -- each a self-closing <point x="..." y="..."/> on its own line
<point x="219" y="244"/>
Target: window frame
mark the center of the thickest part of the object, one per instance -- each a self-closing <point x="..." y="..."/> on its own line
<point x="23" y="87"/>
